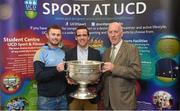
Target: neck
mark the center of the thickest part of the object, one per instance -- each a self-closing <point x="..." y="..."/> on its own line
<point x="116" y="43"/>
<point x="52" y="46"/>
<point x="83" y="47"/>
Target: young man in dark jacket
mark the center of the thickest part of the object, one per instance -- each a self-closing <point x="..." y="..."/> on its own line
<point x="82" y="52"/>
<point x="49" y="74"/>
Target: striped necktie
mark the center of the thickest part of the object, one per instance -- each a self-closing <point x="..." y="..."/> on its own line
<point x="112" y="57"/>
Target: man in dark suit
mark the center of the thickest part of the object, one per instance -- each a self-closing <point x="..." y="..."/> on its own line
<point x="82" y="52"/>
<point x="121" y="69"/>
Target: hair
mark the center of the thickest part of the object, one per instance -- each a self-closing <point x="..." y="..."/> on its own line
<point x="82" y="27"/>
<point x="117" y="23"/>
<point x="53" y="27"/>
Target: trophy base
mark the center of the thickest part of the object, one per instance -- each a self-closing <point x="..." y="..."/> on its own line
<point x="83" y="95"/>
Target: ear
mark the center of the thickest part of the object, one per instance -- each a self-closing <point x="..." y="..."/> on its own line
<point x="47" y="36"/>
<point x="122" y="34"/>
<point x="76" y="38"/>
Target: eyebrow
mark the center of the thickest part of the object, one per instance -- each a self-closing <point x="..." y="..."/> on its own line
<point x="56" y="33"/>
<point x="82" y="34"/>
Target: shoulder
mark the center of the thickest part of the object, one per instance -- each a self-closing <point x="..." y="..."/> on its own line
<point x="65" y="49"/>
<point x="40" y="53"/>
<point x="70" y="53"/>
<point x="129" y="45"/>
<point x="93" y="50"/>
<point x="130" y="48"/>
<point x="94" y="54"/>
<point x="71" y="50"/>
<point x="43" y="49"/>
<point x="107" y="50"/>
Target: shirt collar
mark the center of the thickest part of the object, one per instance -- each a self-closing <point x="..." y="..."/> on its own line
<point x="60" y="45"/>
<point x="117" y="45"/>
<point x="82" y="49"/>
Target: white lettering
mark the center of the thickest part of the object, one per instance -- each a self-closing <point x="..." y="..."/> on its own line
<point x="85" y="8"/>
<point x="97" y="10"/>
<point x="138" y="9"/>
<point x="68" y="8"/>
<point x="121" y="11"/>
<point x="55" y="7"/>
<point x="105" y="8"/>
<point x="127" y="8"/>
<point x="76" y="8"/>
<point x="46" y="8"/>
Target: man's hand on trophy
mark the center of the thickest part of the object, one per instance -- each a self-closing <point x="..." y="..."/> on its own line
<point x="108" y="66"/>
<point x="70" y="81"/>
<point x="60" y="67"/>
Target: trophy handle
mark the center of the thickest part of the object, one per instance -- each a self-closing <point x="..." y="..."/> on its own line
<point x="101" y="70"/>
<point x="66" y="68"/>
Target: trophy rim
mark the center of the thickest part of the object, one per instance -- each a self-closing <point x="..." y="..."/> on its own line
<point x="92" y="62"/>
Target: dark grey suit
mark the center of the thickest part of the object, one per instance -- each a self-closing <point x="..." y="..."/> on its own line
<point x="119" y="85"/>
<point x="93" y="54"/>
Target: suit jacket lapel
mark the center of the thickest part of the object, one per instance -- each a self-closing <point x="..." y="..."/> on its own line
<point x="74" y="56"/>
<point x="89" y="54"/>
<point x="120" y="52"/>
<point x="107" y="56"/>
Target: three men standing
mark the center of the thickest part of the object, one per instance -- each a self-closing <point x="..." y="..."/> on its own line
<point x="121" y="69"/>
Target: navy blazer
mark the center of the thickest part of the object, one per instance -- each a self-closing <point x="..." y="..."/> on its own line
<point x="93" y="54"/>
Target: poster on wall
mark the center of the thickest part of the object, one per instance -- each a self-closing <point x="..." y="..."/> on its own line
<point x="146" y="24"/>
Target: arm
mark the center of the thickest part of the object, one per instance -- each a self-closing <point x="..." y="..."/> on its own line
<point x="42" y="73"/>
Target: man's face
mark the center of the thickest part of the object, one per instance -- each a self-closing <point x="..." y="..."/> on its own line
<point x="115" y="33"/>
<point x="54" y="37"/>
<point x="82" y="37"/>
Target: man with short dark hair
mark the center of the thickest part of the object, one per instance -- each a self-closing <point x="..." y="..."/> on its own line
<point x="49" y="72"/>
<point x="82" y="52"/>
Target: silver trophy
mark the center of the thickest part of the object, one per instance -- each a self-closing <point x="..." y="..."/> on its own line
<point x="84" y="73"/>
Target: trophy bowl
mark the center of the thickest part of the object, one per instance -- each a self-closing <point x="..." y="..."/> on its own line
<point x="84" y="73"/>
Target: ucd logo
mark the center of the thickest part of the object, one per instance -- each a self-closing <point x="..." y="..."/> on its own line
<point x="30" y="8"/>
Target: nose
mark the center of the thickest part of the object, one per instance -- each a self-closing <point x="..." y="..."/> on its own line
<point x="113" y="34"/>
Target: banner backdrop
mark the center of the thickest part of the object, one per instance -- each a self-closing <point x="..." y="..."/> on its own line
<point x="147" y="24"/>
